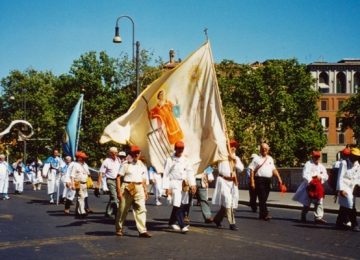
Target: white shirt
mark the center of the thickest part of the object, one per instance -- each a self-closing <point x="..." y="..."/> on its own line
<point x="110" y="168"/>
<point x="178" y="169"/>
<point x="311" y="170"/>
<point x="80" y="172"/>
<point x="266" y="170"/>
<point x="134" y="171"/>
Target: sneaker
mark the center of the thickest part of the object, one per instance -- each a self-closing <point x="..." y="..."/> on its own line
<point x="6" y="197"/>
<point x="66" y="211"/>
<point x="218" y="224"/>
<point x="175" y="227"/>
<point x="52" y="201"/>
<point x="185" y="229"/>
<point x="145" y="235"/>
<point x="320" y="221"/>
<point x="158" y="203"/>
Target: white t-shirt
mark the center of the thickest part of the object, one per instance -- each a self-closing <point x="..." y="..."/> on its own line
<point x="266" y="170"/>
<point x="110" y="168"/>
<point x="134" y="171"/>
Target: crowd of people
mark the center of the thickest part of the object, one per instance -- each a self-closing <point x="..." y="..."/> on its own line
<point x="125" y="178"/>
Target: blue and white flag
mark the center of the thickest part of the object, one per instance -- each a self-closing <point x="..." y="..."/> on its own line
<point x="72" y="130"/>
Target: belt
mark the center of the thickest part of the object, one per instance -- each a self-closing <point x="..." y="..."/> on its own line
<point x="132" y="182"/>
<point x="227" y="178"/>
<point x="111" y="179"/>
<point x="82" y="182"/>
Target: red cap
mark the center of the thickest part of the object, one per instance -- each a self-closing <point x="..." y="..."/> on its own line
<point x="346" y="151"/>
<point x="233" y="143"/>
<point x="315" y="154"/>
<point x="179" y="144"/>
<point x="135" y="148"/>
<point x="80" y="154"/>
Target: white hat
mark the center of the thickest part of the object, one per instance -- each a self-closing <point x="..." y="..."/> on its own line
<point x="122" y="153"/>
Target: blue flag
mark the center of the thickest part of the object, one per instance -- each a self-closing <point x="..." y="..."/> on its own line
<point x="72" y="130"/>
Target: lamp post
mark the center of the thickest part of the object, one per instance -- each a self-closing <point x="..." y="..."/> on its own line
<point x="135" y="55"/>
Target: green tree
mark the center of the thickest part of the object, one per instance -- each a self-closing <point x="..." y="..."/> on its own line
<point x="350" y="114"/>
<point x="274" y="103"/>
<point x="30" y="95"/>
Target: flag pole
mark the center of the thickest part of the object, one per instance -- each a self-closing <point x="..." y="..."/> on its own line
<point x="79" y="122"/>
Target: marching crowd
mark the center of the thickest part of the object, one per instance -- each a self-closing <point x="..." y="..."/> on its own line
<point x="125" y="178"/>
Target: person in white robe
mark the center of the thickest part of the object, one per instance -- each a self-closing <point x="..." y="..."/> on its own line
<point x="35" y="174"/>
<point x="4" y="177"/>
<point x="51" y="171"/>
<point x="19" y="172"/>
<point x="226" y="193"/>
<point x="313" y="169"/>
<point x="349" y="177"/>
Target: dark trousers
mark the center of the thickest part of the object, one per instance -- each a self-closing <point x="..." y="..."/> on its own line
<point x="262" y="189"/>
<point x="177" y="215"/>
<point x="345" y="215"/>
<point x="252" y="196"/>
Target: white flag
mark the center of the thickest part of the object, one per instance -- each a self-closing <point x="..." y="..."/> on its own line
<point x="182" y="105"/>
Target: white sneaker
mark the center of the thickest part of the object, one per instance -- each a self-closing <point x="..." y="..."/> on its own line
<point x="52" y="201"/>
<point x="175" y="227"/>
<point x="158" y="203"/>
<point x="185" y="229"/>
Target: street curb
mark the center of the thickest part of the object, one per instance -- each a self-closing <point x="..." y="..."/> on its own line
<point x="284" y="206"/>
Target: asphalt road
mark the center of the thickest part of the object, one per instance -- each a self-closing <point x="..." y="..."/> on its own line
<point x="30" y="228"/>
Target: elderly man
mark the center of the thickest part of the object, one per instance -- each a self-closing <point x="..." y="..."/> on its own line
<point x="314" y="175"/>
<point x="79" y="174"/>
<point x="4" y="177"/>
<point x="262" y="170"/>
<point x="110" y="168"/>
<point x="178" y="179"/>
<point x="132" y="192"/>
<point x="226" y="193"/>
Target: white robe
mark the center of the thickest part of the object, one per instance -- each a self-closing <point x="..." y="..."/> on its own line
<point x="35" y="173"/>
<point x="347" y="180"/>
<point x="51" y="171"/>
<point x="226" y="193"/>
<point x="310" y="170"/>
<point x="4" y="177"/>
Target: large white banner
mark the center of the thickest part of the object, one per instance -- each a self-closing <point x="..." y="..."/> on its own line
<point x="183" y="104"/>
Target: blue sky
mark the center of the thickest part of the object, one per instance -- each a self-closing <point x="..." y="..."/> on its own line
<point x="49" y="35"/>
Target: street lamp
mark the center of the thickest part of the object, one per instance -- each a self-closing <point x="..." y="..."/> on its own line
<point x="135" y="58"/>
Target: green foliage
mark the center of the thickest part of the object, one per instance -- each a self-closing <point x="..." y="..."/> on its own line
<point x="350" y="111"/>
<point x="273" y="103"/>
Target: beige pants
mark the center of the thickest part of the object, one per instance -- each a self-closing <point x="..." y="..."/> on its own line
<point x="225" y="212"/>
<point x="80" y="199"/>
<point x="139" y="209"/>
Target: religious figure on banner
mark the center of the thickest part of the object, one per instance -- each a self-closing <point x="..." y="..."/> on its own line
<point x="165" y="114"/>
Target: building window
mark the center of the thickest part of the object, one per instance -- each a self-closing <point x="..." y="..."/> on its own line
<point x="340" y="83"/>
<point x="356" y="82"/>
<point x="324" y="122"/>
<point x="341" y="138"/>
<point x="339" y="121"/>
<point x="324" y="105"/>
<point x="324" y="157"/>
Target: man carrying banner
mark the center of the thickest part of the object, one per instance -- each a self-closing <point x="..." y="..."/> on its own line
<point x="226" y="193"/>
<point x="177" y="181"/>
<point x="132" y="192"/>
<point x="110" y="168"/>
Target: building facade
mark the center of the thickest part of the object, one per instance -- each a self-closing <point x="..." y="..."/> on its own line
<point x="336" y="82"/>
